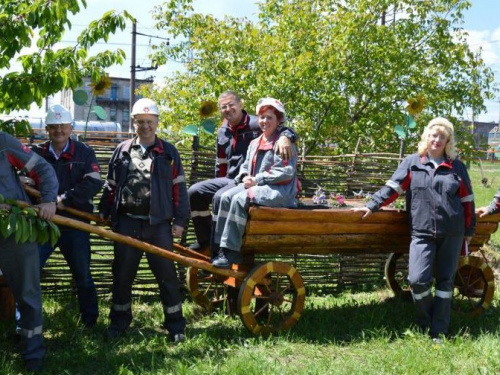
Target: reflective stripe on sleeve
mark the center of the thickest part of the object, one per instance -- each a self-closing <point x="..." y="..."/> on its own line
<point x="467" y="198"/>
<point x="32" y="162"/>
<point x="179" y="179"/>
<point x="395" y="186"/>
<point x="94" y="175"/>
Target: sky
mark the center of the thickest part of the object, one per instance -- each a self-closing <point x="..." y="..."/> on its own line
<point x="481" y="22"/>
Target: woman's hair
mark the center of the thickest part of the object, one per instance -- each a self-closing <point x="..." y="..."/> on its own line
<point x="278" y="114"/>
<point x="444" y="126"/>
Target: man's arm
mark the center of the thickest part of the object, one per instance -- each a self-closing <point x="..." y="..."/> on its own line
<point x="287" y="137"/>
<point x="89" y="186"/>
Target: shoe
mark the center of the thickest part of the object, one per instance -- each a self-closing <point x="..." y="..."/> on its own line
<point x="199" y="247"/>
<point x="179" y="337"/>
<point x="90" y="324"/>
<point x="227" y="257"/>
<point x="437" y="340"/>
<point x="33" y="365"/>
<point x="114" y="333"/>
<point x="220" y="260"/>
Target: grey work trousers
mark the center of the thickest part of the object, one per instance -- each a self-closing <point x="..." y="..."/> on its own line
<point x="125" y="264"/>
<point x="436" y="257"/>
<point x="20" y="265"/>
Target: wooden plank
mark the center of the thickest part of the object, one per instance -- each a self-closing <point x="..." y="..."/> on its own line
<point x="292" y="228"/>
<point x="325" y="215"/>
<point x="334" y="242"/>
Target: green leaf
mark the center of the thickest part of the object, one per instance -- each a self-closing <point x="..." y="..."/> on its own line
<point x="4" y="225"/>
<point x="80" y="97"/>
<point x="100" y="112"/>
<point x="400" y="131"/>
<point x="208" y="125"/>
<point x="410" y="122"/>
<point x="191" y="130"/>
<point x="54" y="233"/>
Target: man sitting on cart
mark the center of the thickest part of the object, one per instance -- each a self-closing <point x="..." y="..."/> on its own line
<point x="265" y="178"/>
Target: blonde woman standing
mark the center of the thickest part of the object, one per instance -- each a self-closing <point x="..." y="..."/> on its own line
<point x="440" y="205"/>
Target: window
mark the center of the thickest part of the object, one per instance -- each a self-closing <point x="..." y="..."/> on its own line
<point x="114" y="93"/>
<point x="126" y="92"/>
<point x="112" y="114"/>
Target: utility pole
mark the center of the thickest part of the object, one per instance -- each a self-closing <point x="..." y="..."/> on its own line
<point x="499" y="111"/>
<point x="132" y="74"/>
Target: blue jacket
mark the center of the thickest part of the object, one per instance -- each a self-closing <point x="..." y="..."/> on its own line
<point x="169" y="199"/>
<point x="439" y="201"/>
<point x="15" y="156"/>
<point x="78" y="174"/>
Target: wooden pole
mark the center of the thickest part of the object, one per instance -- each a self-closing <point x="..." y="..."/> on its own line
<point x="97" y="219"/>
<point x="144" y="246"/>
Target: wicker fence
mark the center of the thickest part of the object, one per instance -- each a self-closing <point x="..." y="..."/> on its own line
<point x="345" y="174"/>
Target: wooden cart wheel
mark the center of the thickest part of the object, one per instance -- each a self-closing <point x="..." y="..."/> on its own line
<point x="474" y="286"/>
<point x="207" y="289"/>
<point x="271" y="298"/>
<point x="396" y="274"/>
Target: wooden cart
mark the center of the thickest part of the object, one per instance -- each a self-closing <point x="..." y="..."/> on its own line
<point x="271" y="296"/>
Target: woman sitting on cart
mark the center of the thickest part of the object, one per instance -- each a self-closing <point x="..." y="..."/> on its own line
<point x="264" y="179"/>
<point x="440" y="205"/>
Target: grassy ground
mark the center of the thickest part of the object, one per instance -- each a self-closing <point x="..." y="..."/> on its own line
<point x="351" y="333"/>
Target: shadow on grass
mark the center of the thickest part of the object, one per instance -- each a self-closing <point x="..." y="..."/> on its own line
<point x="342" y="320"/>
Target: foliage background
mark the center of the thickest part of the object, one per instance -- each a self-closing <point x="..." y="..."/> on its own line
<point x="29" y="36"/>
<point x="344" y="69"/>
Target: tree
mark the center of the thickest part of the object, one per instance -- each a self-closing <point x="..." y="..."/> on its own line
<point x="29" y="33"/>
<point x="344" y="68"/>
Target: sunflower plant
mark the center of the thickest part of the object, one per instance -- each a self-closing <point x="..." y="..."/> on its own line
<point x="207" y="120"/>
<point x="97" y="87"/>
<point x="414" y="108"/>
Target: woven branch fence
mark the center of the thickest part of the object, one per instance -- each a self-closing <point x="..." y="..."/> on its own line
<point x="343" y="174"/>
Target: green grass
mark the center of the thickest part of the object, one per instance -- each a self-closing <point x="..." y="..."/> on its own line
<point x="350" y="333"/>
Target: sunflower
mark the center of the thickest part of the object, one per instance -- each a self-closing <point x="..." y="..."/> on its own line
<point x="415" y="105"/>
<point x="100" y="87"/>
<point x="207" y="109"/>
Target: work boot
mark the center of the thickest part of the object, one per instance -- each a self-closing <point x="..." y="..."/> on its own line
<point x="199" y="247"/>
<point x="33" y="365"/>
<point x="179" y="338"/>
<point x="226" y="257"/>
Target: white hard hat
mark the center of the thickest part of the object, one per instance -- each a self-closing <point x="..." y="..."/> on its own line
<point x="58" y="114"/>
<point x="263" y="102"/>
<point x="144" y="106"/>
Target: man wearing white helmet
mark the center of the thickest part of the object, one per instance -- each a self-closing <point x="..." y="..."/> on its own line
<point x="265" y="178"/>
<point x="146" y="197"/>
<point x="79" y="177"/>
<point x="233" y="138"/>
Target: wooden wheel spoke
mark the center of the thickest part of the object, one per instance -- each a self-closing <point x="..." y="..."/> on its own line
<point x="280" y="298"/>
<point x="207" y="291"/>
<point x="474" y="285"/>
<point x="285" y="288"/>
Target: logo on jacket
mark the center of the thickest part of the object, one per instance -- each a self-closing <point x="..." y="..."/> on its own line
<point x="95" y="168"/>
